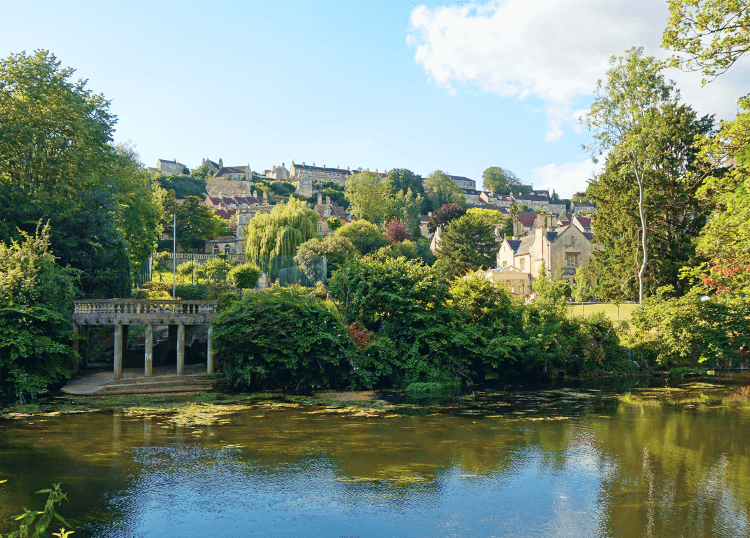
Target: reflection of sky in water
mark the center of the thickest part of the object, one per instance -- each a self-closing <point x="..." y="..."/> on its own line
<point x="188" y="491"/>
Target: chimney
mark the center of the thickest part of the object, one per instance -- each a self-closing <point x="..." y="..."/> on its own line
<point x="265" y="196"/>
<point x="255" y="194"/>
<point x="328" y="200"/>
<point x="320" y="198"/>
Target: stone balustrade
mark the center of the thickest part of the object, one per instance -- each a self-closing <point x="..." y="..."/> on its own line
<point x="143" y="312"/>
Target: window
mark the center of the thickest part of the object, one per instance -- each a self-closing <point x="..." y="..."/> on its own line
<point x="327" y="212"/>
<point x="571" y="259"/>
<point x="216" y="249"/>
<point x="227" y="249"/>
<point x="320" y="227"/>
<point x="522" y="263"/>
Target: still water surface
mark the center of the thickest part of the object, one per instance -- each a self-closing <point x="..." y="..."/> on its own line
<point x="578" y="462"/>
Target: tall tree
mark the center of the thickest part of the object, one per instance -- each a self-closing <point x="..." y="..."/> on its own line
<point x="402" y="179"/>
<point x="196" y="222"/>
<point x="712" y="35"/>
<point x="674" y="213"/>
<point x="634" y="91"/>
<point x="271" y="237"/>
<point x="369" y="196"/>
<point x="467" y="244"/>
<point x="499" y="180"/>
<point x="444" y="214"/>
<point x="440" y="189"/>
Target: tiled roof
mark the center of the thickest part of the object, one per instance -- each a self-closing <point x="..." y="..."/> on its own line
<point x="525" y="246"/>
<point x="460" y="178"/>
<point x="473" y="192"/>
<point x="527" y="219"/>
<point x="551" y="236"/>
<point x="232" y="170"/>
<point x="221" y="213"/>
<point x="588" y="235"/>
<point x="585" y="221"/>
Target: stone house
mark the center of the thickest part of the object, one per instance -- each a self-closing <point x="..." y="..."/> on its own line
<point x="585" y="208"/>
<point x="170" y="167"/>
<point x="501" y="200"/>
<point x="279" y="173"/>
<point x="236" y="173"/>
<point x="326" y="211"/>
<point x="224" y="245"/>
<point x="472" y="196"/>
<point x="562" y="250"/>
<point x="464" y="182"/>
<point x="532" y="201"/>
<point x="319" y="174"/>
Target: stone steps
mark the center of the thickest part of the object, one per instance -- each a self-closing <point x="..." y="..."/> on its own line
<point x="147" y="385"/>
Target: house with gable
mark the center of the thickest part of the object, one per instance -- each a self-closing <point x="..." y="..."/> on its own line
<point x="562" y="250"/>
<point x="325" y="212"/>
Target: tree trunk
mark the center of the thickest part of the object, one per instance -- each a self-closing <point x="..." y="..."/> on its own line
<point x="642" y="270"/>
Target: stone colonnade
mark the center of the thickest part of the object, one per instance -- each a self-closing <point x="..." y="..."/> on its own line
<point x="124" y="312"/>
<point x="148" y="370"/>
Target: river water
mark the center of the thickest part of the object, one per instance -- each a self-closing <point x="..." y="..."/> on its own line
<point x="669" y="460"/>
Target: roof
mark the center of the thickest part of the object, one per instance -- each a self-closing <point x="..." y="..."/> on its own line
<point x="514" y="244"/>
<point x="527" y="219"/>
<point x="226" y="215"/>
<point x="232" y="170"/>
<point x="319" y="168"/>
<point x="525" y="245"/>
<point x="588" y="235"/>
<point x="551" y="236"/>
<point x="584" y="221"/>
<point x="531" y="197"/>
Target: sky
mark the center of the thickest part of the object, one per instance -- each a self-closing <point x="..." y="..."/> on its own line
<point x="451" y="86"/>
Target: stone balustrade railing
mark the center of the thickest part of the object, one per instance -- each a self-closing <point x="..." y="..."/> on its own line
<point x="141" y="311"/>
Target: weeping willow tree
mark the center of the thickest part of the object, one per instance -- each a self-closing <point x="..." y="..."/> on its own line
<point x="271" y="240"/>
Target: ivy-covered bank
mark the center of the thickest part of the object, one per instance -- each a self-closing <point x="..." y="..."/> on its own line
<point x="392" y="322"/>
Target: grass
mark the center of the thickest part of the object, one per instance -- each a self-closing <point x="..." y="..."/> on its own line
<point x="609" y="309"/>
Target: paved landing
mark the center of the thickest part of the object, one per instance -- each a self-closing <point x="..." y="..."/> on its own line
<point x="134" y="382"/>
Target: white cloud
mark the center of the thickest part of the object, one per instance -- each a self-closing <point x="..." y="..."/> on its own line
<point x="554" y="50"/>
<point x="566" y="179"/>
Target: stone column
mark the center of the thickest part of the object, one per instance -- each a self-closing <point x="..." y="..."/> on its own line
<point x="181" y="349"/>
<point x="118" y="351"/>
<point x="210" y="351"/>
<point x="149" y="359"/>
<point x="76" y="349"/>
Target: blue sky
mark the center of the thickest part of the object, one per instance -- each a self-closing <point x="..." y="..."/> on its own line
<point x="379" y="84"/>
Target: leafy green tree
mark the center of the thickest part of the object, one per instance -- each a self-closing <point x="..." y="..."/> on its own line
<point x="336" y="249"/>
<point x="202" y="172"/>
<point x="713" y="34"/>
<point x="674" y="213"/>
<point x="283" y="337"/>
<point x="274" y="236"/>
<point x="183" y="186"/>
<point x="36" y="303"/>
<point x="334" y="224"/>
<point x="499" y="180"/>
<point x="364" y="235"/>
<point x="490" y="215"/>
<point x="402" y="179"/>
<point x="369" y="196"/>
<point x="440" y="189"/>
<point x="634" y="92"/>
<point x="467" y="244"/>
<point x="550" y="294"/>
<point x="139" y="209"/>
<point x="57" y="165"/>
<point x="406" y="207"/>
<point x="196" y="222"/>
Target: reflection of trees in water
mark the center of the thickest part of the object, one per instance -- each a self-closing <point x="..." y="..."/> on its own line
<point x="679" y="473"/>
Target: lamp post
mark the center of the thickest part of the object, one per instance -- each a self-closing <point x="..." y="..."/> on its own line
<point x="174" y="253"/>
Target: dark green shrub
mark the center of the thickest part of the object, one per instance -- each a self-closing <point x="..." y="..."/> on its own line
<point x="282" y="337"/>
<point x="244" y="276"/>
<point x="193" y="292"/>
